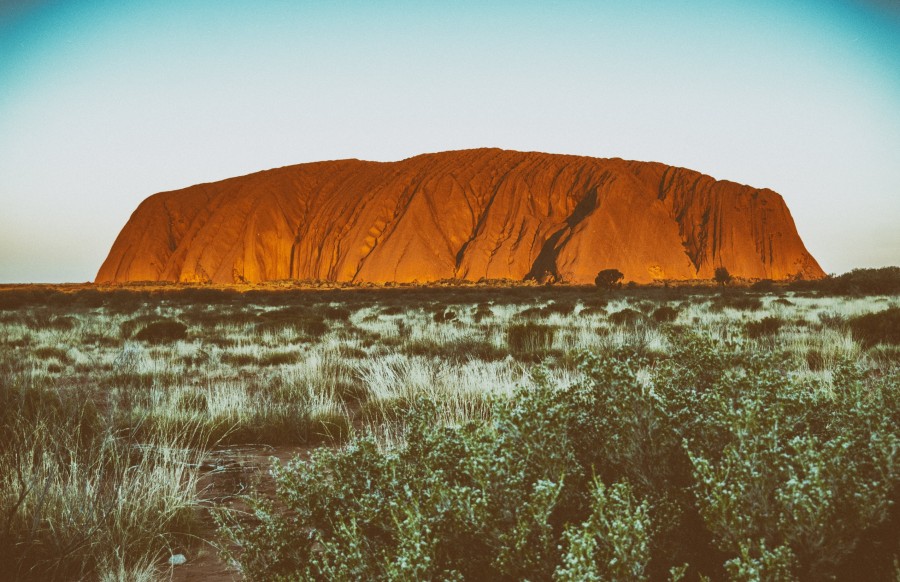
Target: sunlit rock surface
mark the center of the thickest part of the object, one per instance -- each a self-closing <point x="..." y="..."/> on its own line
<point x="469" y="214"/>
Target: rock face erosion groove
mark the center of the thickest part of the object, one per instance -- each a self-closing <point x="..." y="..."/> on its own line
<point x="471" y="214"/>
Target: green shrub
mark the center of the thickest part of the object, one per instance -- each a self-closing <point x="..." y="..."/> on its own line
<point x="560" y="307"/>
<point x="713" y="462"/>
<point x="128" y="327"/>
<point x="756" y="562"/>
<point x="593" y="310"/>
<point x="50" y="352"/>
<point x="595" y="305"/>
<point x="530" y="338"/>
<point x="765" y="327"/>
<point x="532" y="313"/>
<point x="764" y="286"/>
<point x="609" y="279"/>
<point x="444" y="316"/>
<point x="63" y="323"/>
<point x="208" y="317"/>
<point x="612" y="544"/>
<point x="336" y="313"/>
<point x="877" y="328"/>
<point x="738" y="301"/>
<point x="722" y="276"/>
<point x="815" y="360"/>
<point x="885" y="355"/>
<point x="431" y="510"/>
<point x="665" y="314"/>
<point x="881" y="281"/>
<point x="832" y="320"/>
<point x="307" y="321"/>
<point x="790" y="469"/>
<point x="460" y="350"/>
<point x="482" y="312"/>
<point x="627" y="316"/>
<point x="25" y="296"/>
<point x="163" y="331"/>
<point x="278" y="358"/>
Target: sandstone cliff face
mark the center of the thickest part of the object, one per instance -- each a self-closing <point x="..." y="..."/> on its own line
<point x="470" y="214"/>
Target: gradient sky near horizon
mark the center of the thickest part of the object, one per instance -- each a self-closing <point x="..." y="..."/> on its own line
<point x="104" y="102"/>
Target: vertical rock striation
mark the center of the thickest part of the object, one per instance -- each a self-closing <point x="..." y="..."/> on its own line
<point x="469" y="214"/>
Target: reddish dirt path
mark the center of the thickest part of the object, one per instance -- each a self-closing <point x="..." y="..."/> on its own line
<point x="229" y="473"/>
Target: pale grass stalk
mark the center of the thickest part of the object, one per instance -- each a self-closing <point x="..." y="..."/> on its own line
<point x="117" y="569"/>
<point x="93" y="505"/>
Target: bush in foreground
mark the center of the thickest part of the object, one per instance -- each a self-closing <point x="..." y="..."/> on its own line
<point x="718" y="464"/>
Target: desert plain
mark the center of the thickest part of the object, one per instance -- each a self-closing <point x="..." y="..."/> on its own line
<point x="459" y="431"/>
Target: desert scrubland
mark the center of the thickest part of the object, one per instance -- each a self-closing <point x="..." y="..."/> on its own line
<point x="477" y="433"/>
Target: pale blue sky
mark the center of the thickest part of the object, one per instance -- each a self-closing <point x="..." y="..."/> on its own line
<point x="103" y="102"/>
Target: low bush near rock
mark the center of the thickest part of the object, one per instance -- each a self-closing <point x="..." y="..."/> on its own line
<point x="164" y="331"/>
<point x="627" y="317"/>
<point x="738" y="301"/>
<point x="665" y="314"/>
<point x="766" y="326"/>
<point x="877" y="328"/>
<point x="530" y="338"/>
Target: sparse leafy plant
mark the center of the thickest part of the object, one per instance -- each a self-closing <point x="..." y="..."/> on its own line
<point x="530" y="338"/>
<point x="612" y="544"/>
<point x="609" y="279"/>
<point x="627" y="317"/>
<point x="665" y="314"/>
<point x="162" y="332"/>
<point x="874" y="328"/>
<point x="766" y="326"/>
<point x="722" y="276"/>
<point x="738" y="301"/>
